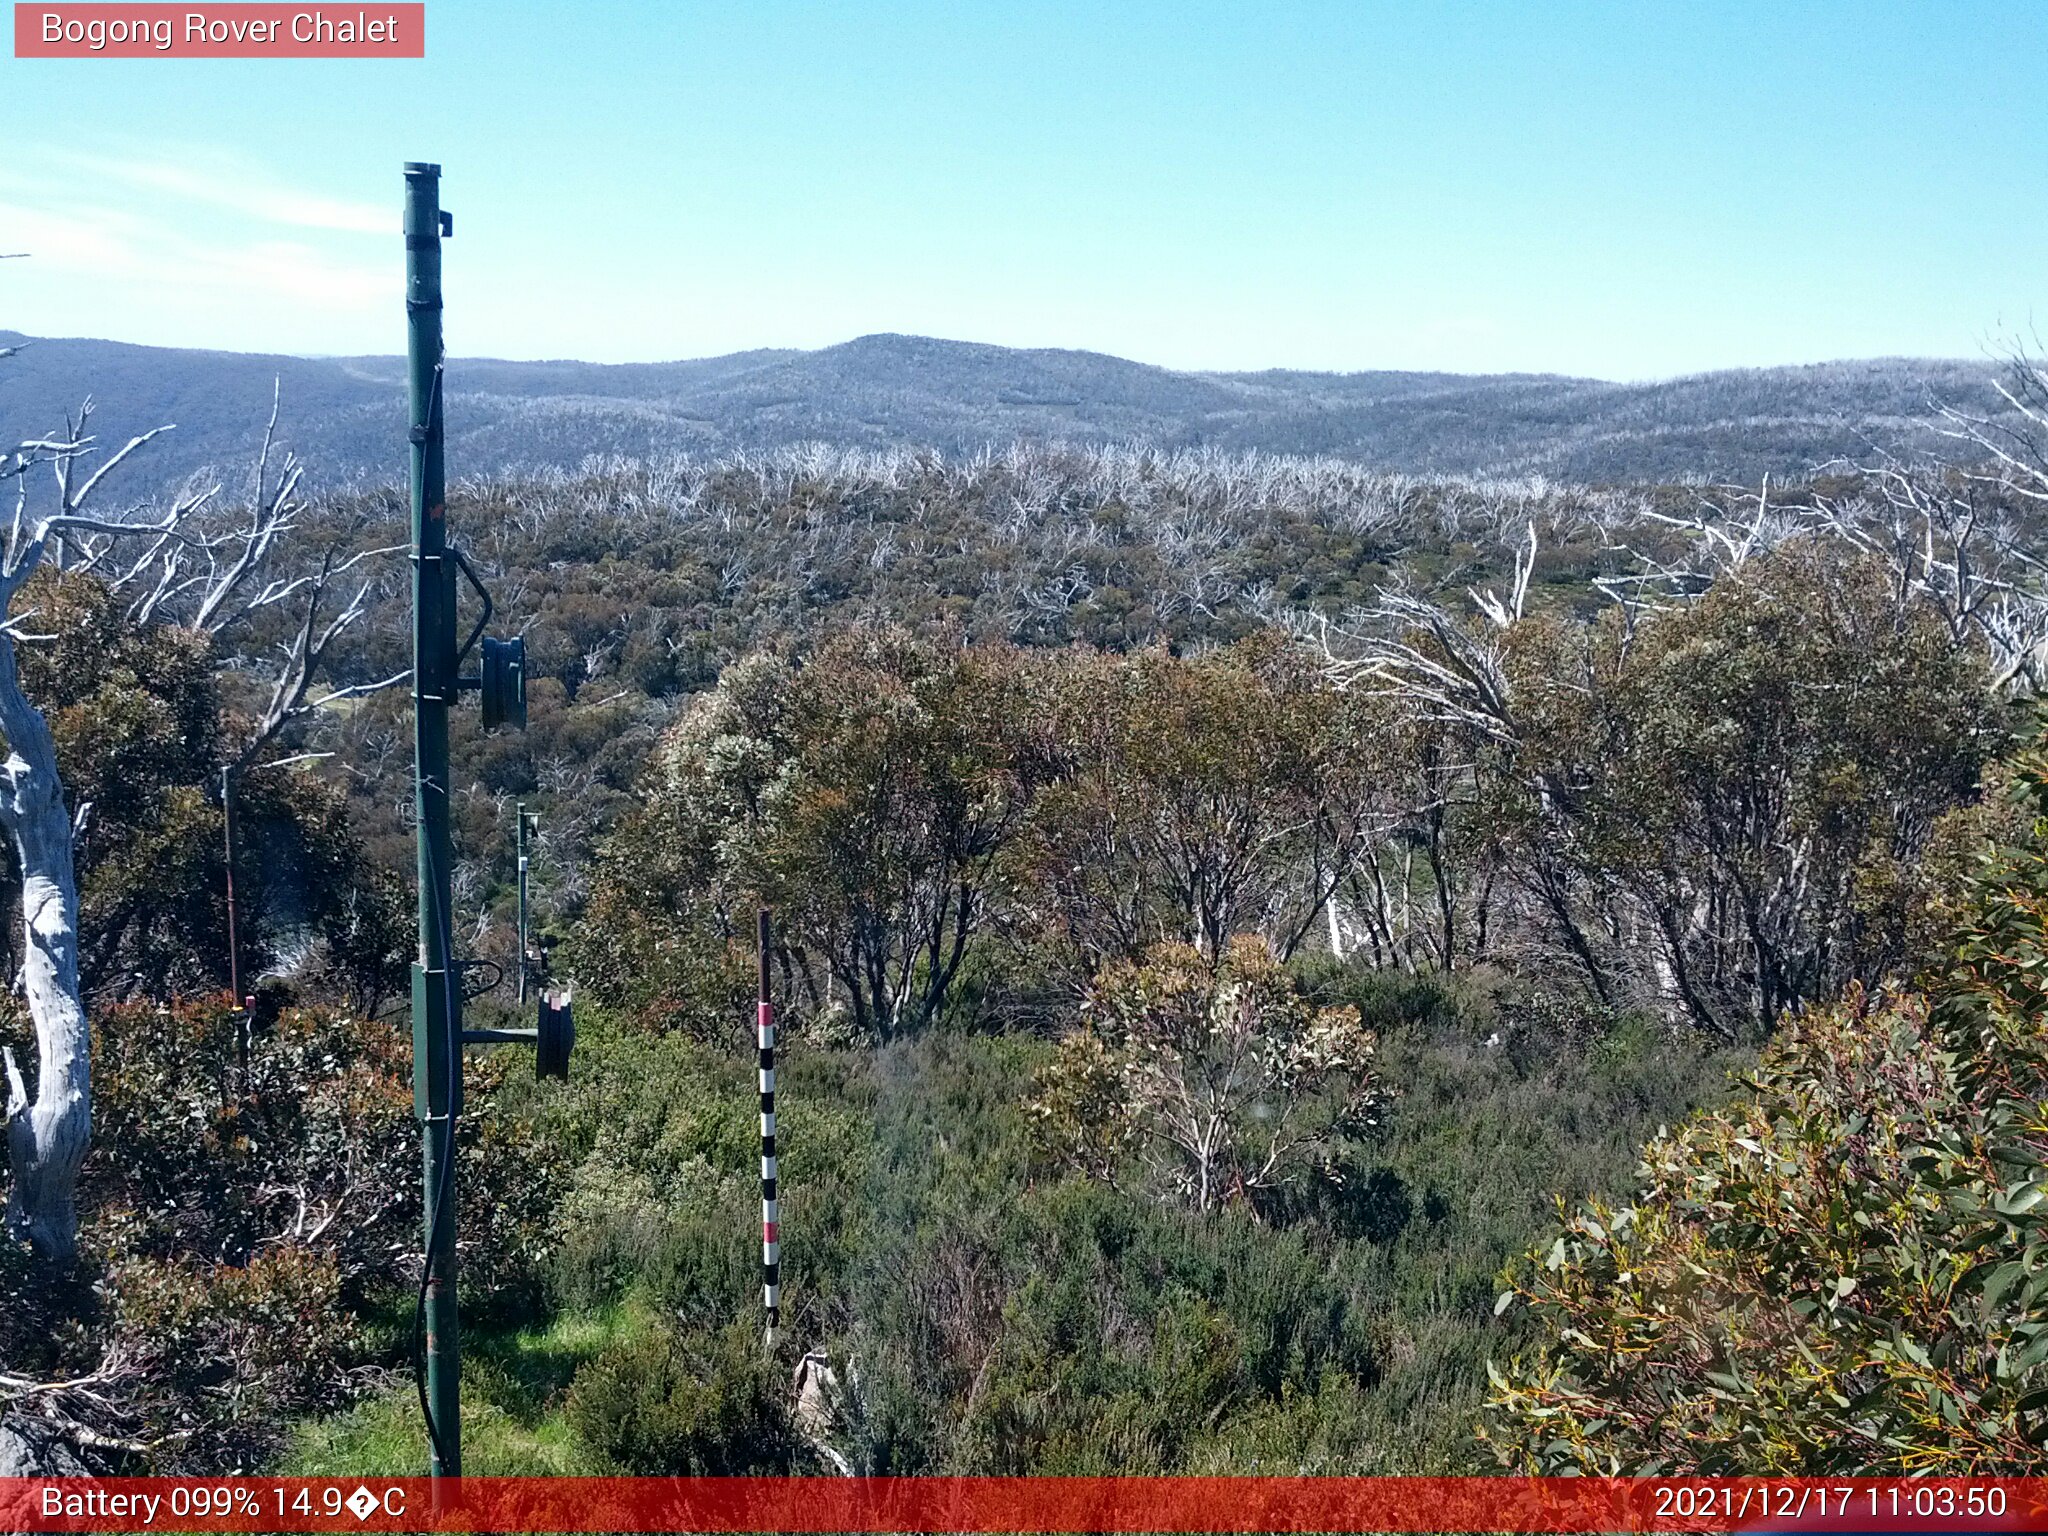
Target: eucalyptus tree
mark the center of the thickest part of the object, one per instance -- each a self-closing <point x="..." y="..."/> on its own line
<point x="868" y="795"/>
<point x="1198" y="798"/>
<point x="1700" y="802"/>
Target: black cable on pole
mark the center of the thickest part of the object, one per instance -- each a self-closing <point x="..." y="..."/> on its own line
<point x="441" y="1182"/>
<point x="419" y="1315"/>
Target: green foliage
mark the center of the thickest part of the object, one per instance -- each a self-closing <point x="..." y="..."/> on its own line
<point x="1723" y="809"/>
<point x="1842" y="1273"/>
<point x="637" y="584"/>
<point x="939" y="824"/>
<point x="710" y="1405"/>
<point x="251" y="1212"/>
<point x="221" y="1136"/>
<point x="226" y="1353"/>
<point x="515" y="1382"/>
<point x="1750" y="786"/>
<point x="865" y="795"/>
<point x="984" y="1316"/>
<point x="1197" y="798"/>
<point x="958" y="830"/>
<point x="1226" y="1082"/>
<point x="1138" y="1335"/>
<point x="142" y="730"/>
<point x="661" y="1195"/>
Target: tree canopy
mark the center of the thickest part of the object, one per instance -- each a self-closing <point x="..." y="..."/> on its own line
<point x="1846" y="1270"/>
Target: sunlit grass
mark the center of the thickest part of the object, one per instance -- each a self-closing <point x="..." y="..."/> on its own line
<point x="514" y="1382"/>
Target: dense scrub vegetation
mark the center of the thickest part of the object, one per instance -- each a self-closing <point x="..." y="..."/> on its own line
<point x="985" y="1309"/>
<point x="1716" y="812"/>
<point x="1841" y="1272"/>
<point x="252" y="1203"/>
<point x="1221" y="906"/>
<point x="636" y="585"/>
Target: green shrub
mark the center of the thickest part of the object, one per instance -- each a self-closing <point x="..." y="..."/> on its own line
<point x="217" y="1137"/>
<point x="1388" y="1001"/>
<point x="987" y="1317"/>
<point x="252" y="1215"/>
<point x="224" y="1355"/>
<point x="1213" y="1073"/>
<point x="1077" y="1329"/>
<point x="694" y="1405"/>
<point x="1847" y="1271"/>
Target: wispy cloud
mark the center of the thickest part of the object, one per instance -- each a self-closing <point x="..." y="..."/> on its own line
<point x="236" y="186"/>
<point x="124" y="247"/>
<point x="191" y="231"/>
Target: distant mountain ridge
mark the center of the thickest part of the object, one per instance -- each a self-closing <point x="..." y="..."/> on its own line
<point x="345" y="415"/>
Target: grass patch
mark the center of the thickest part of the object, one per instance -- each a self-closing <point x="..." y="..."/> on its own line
<point x="514" y="1382"/>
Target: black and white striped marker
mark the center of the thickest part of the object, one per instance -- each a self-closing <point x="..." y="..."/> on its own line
<point x="771" y="1241"/>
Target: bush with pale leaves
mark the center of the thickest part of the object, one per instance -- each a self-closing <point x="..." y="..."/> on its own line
<point x="1212" y="1078"/>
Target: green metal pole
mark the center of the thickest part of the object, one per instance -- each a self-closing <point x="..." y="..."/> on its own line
<point x="436" y="1000"/>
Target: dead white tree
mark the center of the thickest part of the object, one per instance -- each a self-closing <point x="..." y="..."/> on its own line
<point x="2014" y="443"/>
<point x="2009" y="453"/>
<point x="47" y="1134"/>
<point x="220" y="571"/>
<point x="1410" y="647"/>
<point x="1504" y="611"/>
<point x="1947" y="538"/>
<point x="1947" y="541"/>
<point x="1453" y="704"/>
<point x="183" y="566"/>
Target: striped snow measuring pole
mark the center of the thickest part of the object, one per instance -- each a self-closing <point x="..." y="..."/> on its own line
<point x="771" y="1243"/>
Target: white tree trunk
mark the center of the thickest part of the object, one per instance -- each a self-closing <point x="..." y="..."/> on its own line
<point x="46" y="1136"/>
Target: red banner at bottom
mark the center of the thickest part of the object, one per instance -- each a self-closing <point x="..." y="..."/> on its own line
<point x="1020" y="1504"/>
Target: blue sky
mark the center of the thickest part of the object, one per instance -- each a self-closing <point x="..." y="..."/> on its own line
<point x="1625" y="190"/>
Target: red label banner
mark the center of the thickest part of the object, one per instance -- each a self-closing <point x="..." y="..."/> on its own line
<point x="1020" y="1504"/>
<point x="228" y="31"/>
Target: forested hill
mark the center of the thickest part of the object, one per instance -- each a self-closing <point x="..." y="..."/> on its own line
<point x="345" y="415"/>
